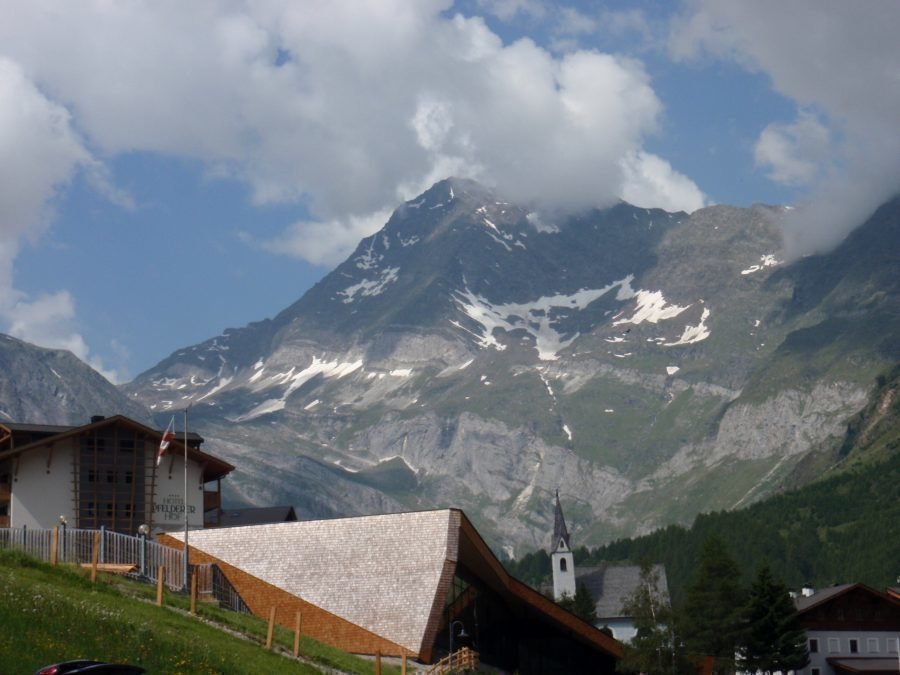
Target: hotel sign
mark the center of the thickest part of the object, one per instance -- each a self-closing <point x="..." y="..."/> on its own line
<point x="171" y="508"/>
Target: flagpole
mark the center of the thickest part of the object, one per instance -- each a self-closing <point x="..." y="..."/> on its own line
<point x="185" y="575"/>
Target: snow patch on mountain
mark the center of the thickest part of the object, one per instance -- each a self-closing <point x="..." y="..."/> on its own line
<point x="767" y="260"/>
<point x="538" y="318"/>
<point x="653" y="308"/>
<point x="295" y="380"/>
<point x="693" y="334"/>
<point x="370" y="287"/>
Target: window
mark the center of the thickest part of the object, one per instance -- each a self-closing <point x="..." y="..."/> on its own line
<point x="813" y="645"/>
<point x="92" y="476"/>
<point x="834" y="645"/>
<point x="110" y="476"/>
<point x="854" y="646"/>
<point x="892" y="645"/>
<point x="109" y="510"/>
<point x="129" y="477"/>
<point x="872" y="645"/>
<point x="90" y="509"/>
<point x="562" y="565"/>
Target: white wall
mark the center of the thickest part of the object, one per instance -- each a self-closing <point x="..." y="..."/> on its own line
<point x="840" y="646"/>
<point x="563" y="580"/>
<point x="623" y="629"/>
<point x="39" y="498"/>
<point x="169" y="507"/>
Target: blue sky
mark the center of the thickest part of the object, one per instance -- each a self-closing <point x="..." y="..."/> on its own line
<point x="171" y="169"/>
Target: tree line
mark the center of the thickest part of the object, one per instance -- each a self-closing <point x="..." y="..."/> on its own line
<point x="747" y="628"/>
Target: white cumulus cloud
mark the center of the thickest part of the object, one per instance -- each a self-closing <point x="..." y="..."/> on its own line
<point x="39" y="155"/>
<point x="796" y="153"/>
<point x="342" y="105"/>
<point x="838" y="58"/>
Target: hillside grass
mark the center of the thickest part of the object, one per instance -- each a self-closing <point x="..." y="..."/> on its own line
<point x="51" y="614"/>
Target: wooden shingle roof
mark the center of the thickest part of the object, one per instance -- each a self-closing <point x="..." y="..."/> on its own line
<point x="388" y="574"/>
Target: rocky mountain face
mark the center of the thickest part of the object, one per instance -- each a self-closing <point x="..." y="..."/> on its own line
<point x="51" y="386"/>
<point x="478" y="354"/>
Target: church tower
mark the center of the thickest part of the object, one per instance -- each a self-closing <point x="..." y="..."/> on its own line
<point x="561" y="556"/>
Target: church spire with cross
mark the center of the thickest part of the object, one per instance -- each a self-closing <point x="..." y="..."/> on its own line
<point x="561" y="556"/>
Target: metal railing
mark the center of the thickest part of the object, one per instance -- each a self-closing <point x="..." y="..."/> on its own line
<point x="76" y="546"/>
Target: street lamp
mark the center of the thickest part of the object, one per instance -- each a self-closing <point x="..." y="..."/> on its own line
<point x="462" y="634"/>
<point x="143" y="531"/>
<point x="62" y="524"/>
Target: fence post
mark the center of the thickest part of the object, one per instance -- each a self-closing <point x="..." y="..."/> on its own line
<point x="98" y="541"/>
<point x="103" y="543"/>
<point x="378" y="662"/>
<point x="160" y="578"/>
<point x="403" y="665"/>
<point x="194" y="592"/>
<point x="297" y="635"/>
<point x="271" y="632"/>
<point x="54" y="545"/>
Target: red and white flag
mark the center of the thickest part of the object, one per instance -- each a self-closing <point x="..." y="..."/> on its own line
<point x="167" y="437"/>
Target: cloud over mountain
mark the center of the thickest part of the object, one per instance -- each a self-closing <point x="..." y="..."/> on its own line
<point x="838" y="62"/>
<point x="347" y="106"/>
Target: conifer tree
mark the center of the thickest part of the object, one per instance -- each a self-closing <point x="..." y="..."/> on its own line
<point x="582" y="605"/>
<point x="774" y="639"/>
<point x="711" y="615"/>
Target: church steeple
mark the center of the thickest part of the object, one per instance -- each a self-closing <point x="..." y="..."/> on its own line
<point x="561" y="555"/>
<point x="560" y="531"/>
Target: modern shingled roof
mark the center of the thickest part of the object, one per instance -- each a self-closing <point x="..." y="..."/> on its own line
<point x="379" y="572"/>
<point x="388" y="574"/>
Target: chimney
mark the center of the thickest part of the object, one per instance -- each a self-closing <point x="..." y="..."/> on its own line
<point x="97" y="418"/>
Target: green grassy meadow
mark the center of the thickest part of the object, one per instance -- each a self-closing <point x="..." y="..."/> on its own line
<point x="50" y="614"/>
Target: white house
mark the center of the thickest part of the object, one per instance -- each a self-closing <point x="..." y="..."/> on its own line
<point x="105" y="473"/>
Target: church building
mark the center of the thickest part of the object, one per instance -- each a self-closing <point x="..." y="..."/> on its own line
<point x="611" y="585"/>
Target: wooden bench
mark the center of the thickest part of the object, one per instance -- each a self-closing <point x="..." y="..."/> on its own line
<point x="112" y="568"/>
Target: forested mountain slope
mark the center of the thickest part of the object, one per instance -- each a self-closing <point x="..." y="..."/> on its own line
<point x="839" y="529"/>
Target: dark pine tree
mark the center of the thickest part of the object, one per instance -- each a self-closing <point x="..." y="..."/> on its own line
<point x="582" y="605"/>
<point x="711" y="615"/>
<point x="773" y="639"/>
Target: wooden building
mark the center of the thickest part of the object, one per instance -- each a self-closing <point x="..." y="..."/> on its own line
<point x="105" y="474"/>
<point x="851" y="628"/>
<point x="410" y="584"/>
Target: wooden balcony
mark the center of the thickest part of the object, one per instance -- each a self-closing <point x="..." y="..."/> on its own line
<point x="4" y="492"/>
<point x="4" y="521"/>
<point x="212" y="499"/>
